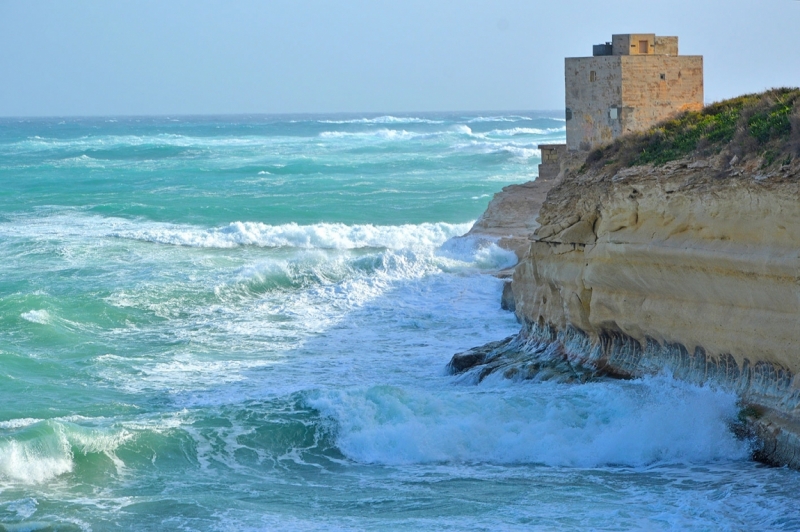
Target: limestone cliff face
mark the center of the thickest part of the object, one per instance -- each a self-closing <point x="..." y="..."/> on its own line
<point x="512" y="214"/>
<point x="676" y="254"/>
<point x="692" y="267"/>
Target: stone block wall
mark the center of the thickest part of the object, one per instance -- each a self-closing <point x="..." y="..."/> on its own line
<point x="551" y="160"/>
<point x="607" y="96"/>
<point x="655" y="88"/>
<point x="666" y="45"/>
<point x="629" y="44"/>
<point x="593" y="86"/>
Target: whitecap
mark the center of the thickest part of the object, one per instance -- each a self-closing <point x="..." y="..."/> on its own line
<point x="18" y="423"/>
<point x="41" y="451"/>
<point x="386" y="134"/>
<point x="507" y="118"/>
<point x="319" y="236"/>
<point x="35" y="461"/>
<point x="524" y="131"/>
<point x="639" y="423"/>
<point x="482" y="252"/>
<point x="383" y="120"/>
<point x="522" y="151"/>
<point x="41" y="317"/>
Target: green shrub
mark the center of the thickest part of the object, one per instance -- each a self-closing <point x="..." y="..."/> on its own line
<point x="766" y="124"/>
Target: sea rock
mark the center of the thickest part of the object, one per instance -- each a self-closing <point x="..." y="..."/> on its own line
<point x="507" y="299"/>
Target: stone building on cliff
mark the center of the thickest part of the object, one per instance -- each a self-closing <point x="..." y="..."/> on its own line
<point x="629" y="84"/>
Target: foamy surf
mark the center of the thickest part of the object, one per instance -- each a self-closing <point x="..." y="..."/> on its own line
<point x="388" y="119"/>
<point x="651" y="421"/>
<point x="42" y="317"/>
<point x="317" y="236"/>
<point x="39" y="451"/>
<point x="380" y="134"/>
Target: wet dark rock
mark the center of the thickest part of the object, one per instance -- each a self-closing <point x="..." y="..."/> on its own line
<point x="461" y="362"/>
<point x="507" y="299"/>
<point x="571" y="356"/>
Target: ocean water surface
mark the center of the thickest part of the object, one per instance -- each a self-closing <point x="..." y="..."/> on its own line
<point x="242" y="323"/>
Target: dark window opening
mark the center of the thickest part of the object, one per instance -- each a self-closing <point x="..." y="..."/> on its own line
<point x="569" y="113"/>
<point x="663" y="77"/>
<point x="642" y="47"/>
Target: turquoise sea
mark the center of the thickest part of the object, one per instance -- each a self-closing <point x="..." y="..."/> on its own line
<point x="243" y="323"/>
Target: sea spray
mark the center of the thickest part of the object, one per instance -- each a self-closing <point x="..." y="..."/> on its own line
<point x="638" y="423"/>
<point x="318" y="236"/>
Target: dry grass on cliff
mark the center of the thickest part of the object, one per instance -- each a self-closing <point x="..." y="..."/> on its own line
<point x="764" y="125"/>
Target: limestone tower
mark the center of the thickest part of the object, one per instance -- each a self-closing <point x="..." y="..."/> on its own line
<point x="629" y="84"/>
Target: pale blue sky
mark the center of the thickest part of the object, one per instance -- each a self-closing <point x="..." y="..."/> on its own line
<point x="283" y="56"/>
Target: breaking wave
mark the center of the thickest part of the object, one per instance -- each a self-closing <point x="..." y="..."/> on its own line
<point x="388" y="119"/>
<point x="523" y="131"/>
<point x="387" y="134"/>
<point x="37" y="451"/>
<point x="42" y="317"/>
<point x="639" y="423"/>
<point x="510" y="118"/>
<point x="316" y="236"/>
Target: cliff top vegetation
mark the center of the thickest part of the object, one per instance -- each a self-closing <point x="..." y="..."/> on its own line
<point x="764" y="125"/>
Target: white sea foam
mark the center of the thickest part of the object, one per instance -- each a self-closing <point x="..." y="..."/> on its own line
<point x="383" y="120"/>
<point x="384" y="134"/>
<point x="481" y="252"/>
<point x="111" y="142"/>
<point x="34" y="463"/>
<point x="24" y="508"/>
<point x="522" y="151"/>
<point x="509" y="118"/>
<point x="40" y="451"/>
<point x="41" y="456"/>
<point x="523" y="131"/>
<point x="653" y="420"/>
<point x="18" y="423"/>
<point x="41" y="317"/>
<point x="319" y="236"/>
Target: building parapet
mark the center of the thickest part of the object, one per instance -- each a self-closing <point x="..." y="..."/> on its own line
<point x="551" y="160"/>
<point x="637" y="44"/>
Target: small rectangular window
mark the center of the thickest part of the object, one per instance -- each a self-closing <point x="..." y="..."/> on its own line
<point x="569" y="113"/>
<point x="612" y="113"/>
<point x="642" y="47"/>
<point x="663" y="77"/>
<point x="592" y="76"/>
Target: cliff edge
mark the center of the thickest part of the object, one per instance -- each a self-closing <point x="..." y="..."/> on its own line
<point x="676" y="249"/>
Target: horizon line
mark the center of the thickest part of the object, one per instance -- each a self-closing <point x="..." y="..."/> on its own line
<point x="303" y="113"/>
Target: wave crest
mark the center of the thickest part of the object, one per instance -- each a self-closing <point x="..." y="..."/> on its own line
<point x="654" y="420"/>
<point x="388" y="119"/>
<point x="316" y="236"/>
<point x="386" y="134"/>
<point x="42" y="450"/>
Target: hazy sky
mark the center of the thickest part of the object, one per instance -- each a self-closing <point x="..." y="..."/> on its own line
<point x="108" y="57"/>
